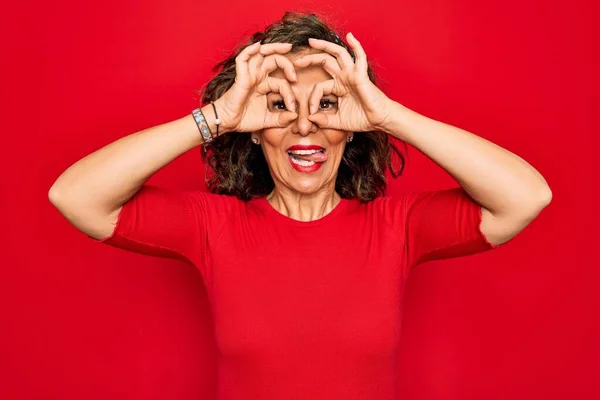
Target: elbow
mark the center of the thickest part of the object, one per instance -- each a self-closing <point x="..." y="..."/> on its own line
<point x="538" y="197"/>
<point x="57" y="199"/>
<point x="546" y="197"/>
<point x="537" y="203"/>
<point x="55" y="191"/>
<point x="56" y="196"/>
<point x="53" y="195"/>
<point x="60" y="199"/>
<point x="536" y="194"/>
<point x="62" y="192"/>
<point x="528" y="207"/>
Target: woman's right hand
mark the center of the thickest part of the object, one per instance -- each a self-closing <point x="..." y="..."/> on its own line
<point x="244" y="108"/>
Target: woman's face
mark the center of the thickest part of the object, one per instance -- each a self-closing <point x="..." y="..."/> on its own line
<point x="303" y="157"/>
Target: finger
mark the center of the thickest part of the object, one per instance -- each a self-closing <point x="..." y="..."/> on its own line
<point x="322" y="120"/>
<point x="320" y="89"/>
<point x="281" y="86"/>
<point x="359" y="52"/>
<point x="280" y="120"/>
<point x="241" y="61"/>
<point x="339" y="52"/>
<point x="277" y="61"/>
<point x="275" y="48"/>
<point x="327" y="61"/>
<point x="255" y="63"/>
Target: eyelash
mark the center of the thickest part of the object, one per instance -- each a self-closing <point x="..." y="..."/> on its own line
<point x="278" y="103"/>
<point x="330" y="103"/>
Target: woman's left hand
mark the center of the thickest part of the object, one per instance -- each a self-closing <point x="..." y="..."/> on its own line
<point x="362" y="106"/>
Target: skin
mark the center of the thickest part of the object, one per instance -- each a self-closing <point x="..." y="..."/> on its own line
<point x="511" y="192"/>
<point x="296" y="191"/>
<point x="266" y="75"/>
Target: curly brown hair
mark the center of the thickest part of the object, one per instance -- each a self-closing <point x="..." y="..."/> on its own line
<point x="240" y="168"/>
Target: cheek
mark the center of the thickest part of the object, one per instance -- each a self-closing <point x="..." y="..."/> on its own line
<point x="271" y="143"/>
<point x="272" y="155"/>
<point x="335" y="137"/>
<point x="271" y="138"/>
<point x="337" y="141"/>
<point x="273" y="151"/>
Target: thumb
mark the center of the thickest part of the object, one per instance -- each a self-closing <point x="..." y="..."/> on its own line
<point x="279" y="120"/>
<point x="320" y="119"/>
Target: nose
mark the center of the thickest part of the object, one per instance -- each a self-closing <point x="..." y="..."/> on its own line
<point x="302" y="125"/>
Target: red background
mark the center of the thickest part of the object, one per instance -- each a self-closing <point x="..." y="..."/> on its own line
<point x="81" y="320"/>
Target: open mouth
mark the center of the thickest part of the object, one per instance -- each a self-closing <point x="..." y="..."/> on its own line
<point x="306" y="158"/>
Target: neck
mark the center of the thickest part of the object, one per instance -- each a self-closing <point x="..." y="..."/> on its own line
<point x="301" y="206"/>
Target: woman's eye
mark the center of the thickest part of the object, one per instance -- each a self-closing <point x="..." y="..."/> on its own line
<point x="279" y="105"/>
<point x="327" y="104"/>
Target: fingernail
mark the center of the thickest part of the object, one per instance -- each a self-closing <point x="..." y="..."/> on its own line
<point x="313" y="109"/>
<point x="294" y="76"/>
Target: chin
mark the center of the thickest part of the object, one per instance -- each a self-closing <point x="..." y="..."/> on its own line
<point x="306" y="186"/>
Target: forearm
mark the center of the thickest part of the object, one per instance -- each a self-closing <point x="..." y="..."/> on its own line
<point x="495" y="178"/>
<point x="105" y="179"/>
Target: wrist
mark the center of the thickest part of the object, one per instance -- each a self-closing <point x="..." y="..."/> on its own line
<point x="211" y="118"/>
<point x="224" y="118"/>
<point x="212" y="114"/>
<point x="395" y="115"/>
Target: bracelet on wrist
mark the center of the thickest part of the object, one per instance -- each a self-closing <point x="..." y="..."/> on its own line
<point x="202" y="126"/>
<point x="217" y="120"/>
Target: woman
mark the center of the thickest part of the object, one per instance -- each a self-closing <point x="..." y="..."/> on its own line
<point x="303" y="259"/>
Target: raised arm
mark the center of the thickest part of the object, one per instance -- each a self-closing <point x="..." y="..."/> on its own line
<point x="91" y="192"/>
<point x="510" y="191"/>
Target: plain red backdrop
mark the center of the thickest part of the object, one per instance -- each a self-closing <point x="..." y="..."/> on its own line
<point x="81" y="320"/>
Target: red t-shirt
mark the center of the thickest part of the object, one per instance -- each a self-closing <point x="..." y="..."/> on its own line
<point x="303" y="310"/>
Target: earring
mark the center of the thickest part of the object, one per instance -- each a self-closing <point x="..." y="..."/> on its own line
<point x="350" y="138"/>
<point x="255" y="140"/>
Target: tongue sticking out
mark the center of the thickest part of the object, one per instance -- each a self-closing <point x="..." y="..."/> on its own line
<point x="316" y="157"/>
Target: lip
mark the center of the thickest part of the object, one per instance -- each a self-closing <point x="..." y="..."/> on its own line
<point x="300" y="168"/>
<point x="305" y="147"/>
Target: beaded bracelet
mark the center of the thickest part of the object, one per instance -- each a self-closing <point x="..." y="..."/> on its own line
<point x="217" y="120"/>
<point x="202" y="126"/>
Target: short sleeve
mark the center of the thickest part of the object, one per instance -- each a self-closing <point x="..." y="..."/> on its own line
<point x="164" y="223"/>
<point x="442" y="224"/>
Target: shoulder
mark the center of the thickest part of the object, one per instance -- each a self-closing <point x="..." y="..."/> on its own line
<point x="180" y="205"/>
<point x="398" y="209"/>
<point x="389" y="207"/>
<point x="384" y="211"/>
<point x="213" y="198"/>
<point x="215" y="205"/>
